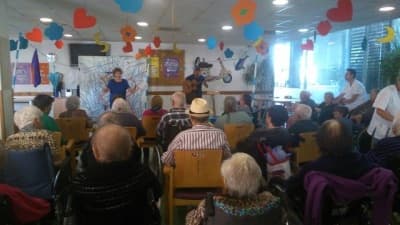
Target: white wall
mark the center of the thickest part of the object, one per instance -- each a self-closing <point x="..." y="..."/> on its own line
<point x="191" y="52"/>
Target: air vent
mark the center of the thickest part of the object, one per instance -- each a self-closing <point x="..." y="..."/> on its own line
<point x="169" y="29"/>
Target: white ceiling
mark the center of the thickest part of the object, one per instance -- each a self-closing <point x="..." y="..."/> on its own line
<point x="196" y="18"/>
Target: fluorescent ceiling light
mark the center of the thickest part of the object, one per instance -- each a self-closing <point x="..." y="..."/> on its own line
<point x="138" y="37"/>
<point x="280" y="2"/>
<point x="201" y="40"/>
<point x="386" y="8"/>
<point x="227" y="27"/>
<point x="68" y="35"/>
<point x="303" y="30"/>
<point x="142" y="24"/>
<point x="331" y="43"/>
<point x="46" y="20"/>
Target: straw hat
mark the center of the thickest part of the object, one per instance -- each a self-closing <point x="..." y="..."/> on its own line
<point x="199" y="108"/>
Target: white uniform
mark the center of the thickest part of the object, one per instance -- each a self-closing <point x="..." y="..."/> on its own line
<point x="388" y="99"/>
<point x="357" y="88"/>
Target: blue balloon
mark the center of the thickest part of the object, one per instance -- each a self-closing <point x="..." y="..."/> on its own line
<point x="252" y="31"/>
<point x="211" y="42"/>
<point x="228" y="53"/>
<point x="130" y="6"/>
<point x="54" y="31"/>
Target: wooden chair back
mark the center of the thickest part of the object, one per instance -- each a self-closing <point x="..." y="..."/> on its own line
<point x="150" y="125"/>
<point x="132" y="131"/>
<point x="237" y="132"/>
<point x="308" y="149"/>
<point x="73" y="128"/>
<point x="197" y="169"/>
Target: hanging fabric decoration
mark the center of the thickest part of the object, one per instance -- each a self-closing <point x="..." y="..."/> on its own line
<point x="244" y="12"/>
<point x="308" y="46"/>
<point x="228" y="53"/>
<point x="157" y="41"/>
<point x="82" y="20"/>
<point x="390" y="34"/>
<point x="35" y="69"/>
<point x="54" y="78"/>
<point x="252" y="31"/>
<point x="54" y="31"/>
<point x="59" y="44"/>
<point x="128" y="33"/>
<point x="97" y="40"/>
<point x="130" y="6"/>
<point x="221" y="45"/>
<point x="128" y="47"/>
<point x="211" y="42"/>
<point x="148" y="51"/>
<point x="324" y="27"/>
<point x="343" y="12"/>
<point x="23" y="43"/>
<point x="35" y="35"/>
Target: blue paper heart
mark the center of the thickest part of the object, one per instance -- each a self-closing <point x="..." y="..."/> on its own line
<point x="228" y="53"/>
<point x="13" y="45"/>
<point x="211" y="42"/>
<point x="252" y="31"/>
<point x="23" y="43"/>
<point x="54" y="31"/>
<point x="130" y="6"/>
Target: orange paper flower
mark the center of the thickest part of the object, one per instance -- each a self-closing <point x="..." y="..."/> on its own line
<point x="128" y="33"/>
<point x="244" y="12"/>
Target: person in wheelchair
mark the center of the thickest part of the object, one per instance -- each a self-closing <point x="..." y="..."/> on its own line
<point x="114" y="188"/>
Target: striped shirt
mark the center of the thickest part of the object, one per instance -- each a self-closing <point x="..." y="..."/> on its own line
<point x="383" y="150"/>
<point x="198" y="137"/>
<point x="177" y="115"/>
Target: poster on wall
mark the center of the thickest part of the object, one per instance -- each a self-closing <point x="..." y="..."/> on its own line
<point x="96" y="71"/>
<point x="167" y="68"/>
<point x="23" y="73"/>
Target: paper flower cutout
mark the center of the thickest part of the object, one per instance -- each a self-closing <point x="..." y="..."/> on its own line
<point x="23" y="43"/>
<point x="252" y="31"/>
<point x="54" y="31"/>
<point x="389" y="36"/>
<point x="128" y="33"/>
<point x="228" y="53"/>
<point x="211" y="42"/>
<point x="308" y="46"/>
<point x="13" y="45"/>
<point x="244" y="12"/>
<point x="82" y="20"/>
<point x="130" y="6"/>
<point x="148" y="51"/>
<point x="128" y="47"/>
<point x="324" y="27"/>
<point x="35" y="35"/>
<point x="157" y="41"/>
<point x="138" y="56"/>
<point x="59" y="44"/>
<point x="221" y="45"/>
<point x="343" y="12"/>
<point x="261" y="46"/>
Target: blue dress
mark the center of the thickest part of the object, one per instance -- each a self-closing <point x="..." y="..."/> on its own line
<point x="117" y="89"/>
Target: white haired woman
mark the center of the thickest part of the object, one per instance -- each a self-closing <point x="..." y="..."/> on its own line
<point x="72" y="104"/>
<point x="125" y="116"/>
<point x="231" y="115"/>
<point x="242" y="201"/>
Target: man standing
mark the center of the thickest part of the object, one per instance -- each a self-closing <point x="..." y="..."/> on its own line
<point x="354" y="93"/>
<point x="200" y="136"/>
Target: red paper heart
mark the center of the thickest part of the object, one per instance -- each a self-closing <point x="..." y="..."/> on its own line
<point x="35" y="35"/>
<point x="59" y="44"/>
<point x="324" y="27"/>
<point x="82" y="20"/>
<point x="157" y="41"/>
<point x="343" y="12"/>
<point x="128" y="47"/>
<point x="221" y="45"/>
<point x="308" y="46"/>
<point x="148" y="51"/>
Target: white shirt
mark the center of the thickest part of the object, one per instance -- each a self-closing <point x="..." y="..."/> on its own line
<point x="388" y="99"/>
<point x="357" y="88"/>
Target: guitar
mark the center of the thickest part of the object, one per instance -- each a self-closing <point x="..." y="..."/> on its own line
<point x="189" y="86"/>
<point x="224" y="73"/>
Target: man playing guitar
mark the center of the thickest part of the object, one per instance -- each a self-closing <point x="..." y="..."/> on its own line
<point x="193" y="85"/>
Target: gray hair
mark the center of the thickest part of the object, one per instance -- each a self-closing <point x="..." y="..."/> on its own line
<point x="120" y="105"/>
<point x="72" y="103"/>
<point x="396" y="125"/>
<point x="230" y="104"/>
<point x="178" y="98"/>
<point x="26" y="116"/>
<point x="303" y="112"/>
<point x="242" y="175"/>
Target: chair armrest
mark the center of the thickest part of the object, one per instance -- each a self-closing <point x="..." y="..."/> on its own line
<point x="69" y="147"/>
<point x="167" y="170"/>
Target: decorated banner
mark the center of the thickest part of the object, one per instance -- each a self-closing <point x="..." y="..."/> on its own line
<point x="154" y="67"/>
<point x="23" y="73"/>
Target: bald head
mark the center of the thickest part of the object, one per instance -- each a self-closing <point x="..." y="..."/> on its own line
<point x="111" y="143"/>
<point x="108" y="118"/>
<point x="333" y="138"/>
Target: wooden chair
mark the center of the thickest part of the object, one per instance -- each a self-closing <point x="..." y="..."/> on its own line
<point x="237" y="132"/>
<point x="150" y="125"/>
<point x="308" y="149"/>
<point x="65" y="149"/>
<point x="132" y="131"/>
<point x="196" y="173"/>
<point x="73" y="128"/>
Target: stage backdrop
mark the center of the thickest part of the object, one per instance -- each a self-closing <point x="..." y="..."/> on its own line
<point x="96" y="71"/>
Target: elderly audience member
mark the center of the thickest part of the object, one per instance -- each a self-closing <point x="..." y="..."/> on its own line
<point x="156" y="107"/>
<point x="174" y="121"/>
<point x="31" y="135"/>
<point x="245" y="104"/>
<point x="125" y="117"/>
<point x="44" y="103"/>
<point x="305" y="98"/>
<point x="303" y="123"/>
<point x="231" y="115"/>
<point x="387" y="105"/>
<point x="72" y="104"/>
<point x="200" y="136"/>
<point x="114" y="188"/>
<point x="386" y="147"/>
<point x="354" y="93"/>
<point x="362" y="115"/>
<point x="340" y="113"/>
<point x="242" y="201"/>
<point x="325" y="109"/>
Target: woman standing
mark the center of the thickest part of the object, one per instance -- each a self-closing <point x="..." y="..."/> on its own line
<point x="118" y="87"/>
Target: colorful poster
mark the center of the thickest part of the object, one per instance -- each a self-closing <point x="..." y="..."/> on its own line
<point x="171" y="67"/>
<point x="23" y="73"/>
<point x="155" y="67"/>
<point x="44" y="73"/>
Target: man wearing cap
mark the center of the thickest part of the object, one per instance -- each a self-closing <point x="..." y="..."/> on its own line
<point x="200" y="136"/>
